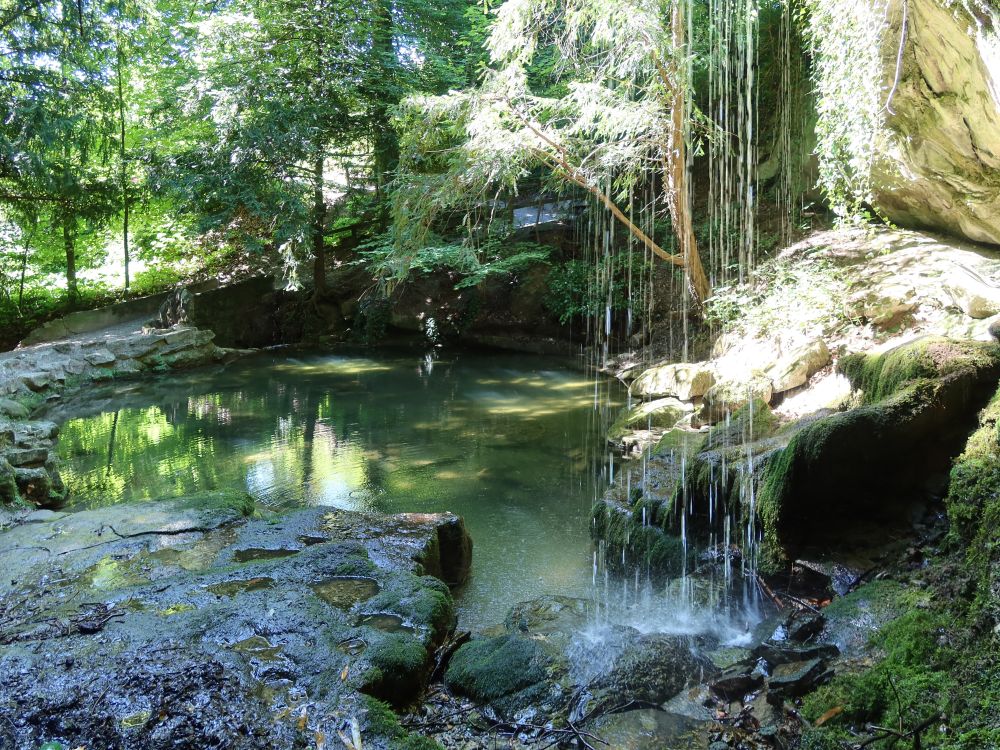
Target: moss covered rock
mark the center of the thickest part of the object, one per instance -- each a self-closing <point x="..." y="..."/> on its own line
<point x="395" y="668"/>
<point x="973" y="505"/>
<point x="869" y="462"/>
<point x="509" y="673"/>
<point x="880" y="375"/>
<point x="663" y="414"/>
<point x="8" y="484"/>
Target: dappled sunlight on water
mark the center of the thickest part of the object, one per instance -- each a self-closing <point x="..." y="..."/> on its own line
<point x="512" y="443"/>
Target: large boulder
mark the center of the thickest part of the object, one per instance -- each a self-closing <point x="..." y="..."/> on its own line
<point x="729" y="396"/>
<point x="939" y="167"/>
<point x="797" y="366"/>
<point x="511" y="673"/>
<point x="684" y="381"/>
<point x="869" y="464"/>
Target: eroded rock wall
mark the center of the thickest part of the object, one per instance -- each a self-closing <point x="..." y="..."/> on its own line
<point x="941" y="165"/>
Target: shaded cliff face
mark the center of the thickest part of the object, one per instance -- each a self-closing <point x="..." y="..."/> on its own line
<point x="941" y="166"/>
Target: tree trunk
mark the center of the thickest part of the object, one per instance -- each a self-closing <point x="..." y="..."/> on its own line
<point x="678" y="196"/>
<point x="69" y="244"/>
<point x="319" y="225"/>
<point x="24" y="270"/>
<point x="121" y="157"/>
<point x="385" y="144"/>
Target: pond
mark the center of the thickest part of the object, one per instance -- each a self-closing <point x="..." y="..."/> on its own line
<point x="513" y="443"/>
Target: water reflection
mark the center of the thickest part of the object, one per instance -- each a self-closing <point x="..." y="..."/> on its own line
<point x="513" y="443"/>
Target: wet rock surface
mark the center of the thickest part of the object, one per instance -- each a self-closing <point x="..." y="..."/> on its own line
<point x="555" y="670"/>
<point x="149" y="626"/>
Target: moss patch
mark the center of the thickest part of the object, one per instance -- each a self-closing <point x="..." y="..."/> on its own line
<point x="494" y="668"/>
<point x="395" y="668"/>
<point x="880" y="375"/>
<point x="909" y="684"/>
<point x="381" y="721"/>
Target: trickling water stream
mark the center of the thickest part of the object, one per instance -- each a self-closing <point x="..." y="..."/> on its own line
<point x="512" y="443"/>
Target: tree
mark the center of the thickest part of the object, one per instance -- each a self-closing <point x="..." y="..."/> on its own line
<point x="300" y="95"/>
<point x="55" y="123"/>
<point x="613" y="114"/>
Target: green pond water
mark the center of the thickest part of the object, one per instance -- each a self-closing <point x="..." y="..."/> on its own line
<point x="512" y="443"/>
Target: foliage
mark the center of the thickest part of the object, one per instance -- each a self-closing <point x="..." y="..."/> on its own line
<point x="574" y="289"/>
<point x="809" y="293"/>
<point x="845" y="41"/>
<point x="495" y="256"/>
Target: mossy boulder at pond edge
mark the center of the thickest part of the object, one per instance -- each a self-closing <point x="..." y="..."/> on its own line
<point x="510" y="672"/>
<point x="869" y="463"/>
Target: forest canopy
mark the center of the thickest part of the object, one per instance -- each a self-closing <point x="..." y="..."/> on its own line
<point x="145" y="143"/>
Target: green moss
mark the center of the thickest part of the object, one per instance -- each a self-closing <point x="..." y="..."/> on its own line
<point x="975" y="476"/>
<point x="493" y="668"/>
<point x="909" y="683"/>
<point x="433" y="605"/>
<point x="650" y="544"/>
<point x="429" y="604"/>
<point x="683" y="442"/>
<point x="8" y="485"/>
<point x="358" y="565"/>
<point x="973" y="505"/>
<point x="381" y="721"/>
<point x="752" y="421"/>
<point x="395" y="668"/>
<point x="880" y="375"/>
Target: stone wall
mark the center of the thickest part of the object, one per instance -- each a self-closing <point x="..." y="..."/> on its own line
<point x="30" y="375"/>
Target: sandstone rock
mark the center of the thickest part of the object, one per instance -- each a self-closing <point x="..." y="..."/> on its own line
<point x="99" y="357"/>
<point x="800" y="364"/>
<point x="30" y="434"/>
<point x="183" y="338"/>
<point x="662" y="413"/>
<point x="974" y="295"/>
<point x="27" y="456"/>
<point x="134" y="347"/>
<point x="680" y="380"/>
<point x="36" y="381"/>
<point x="885" y="305"/>
<point x="939" y="167"/>
<point x="728" y="397"/>
<point x="13" y="409"/>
